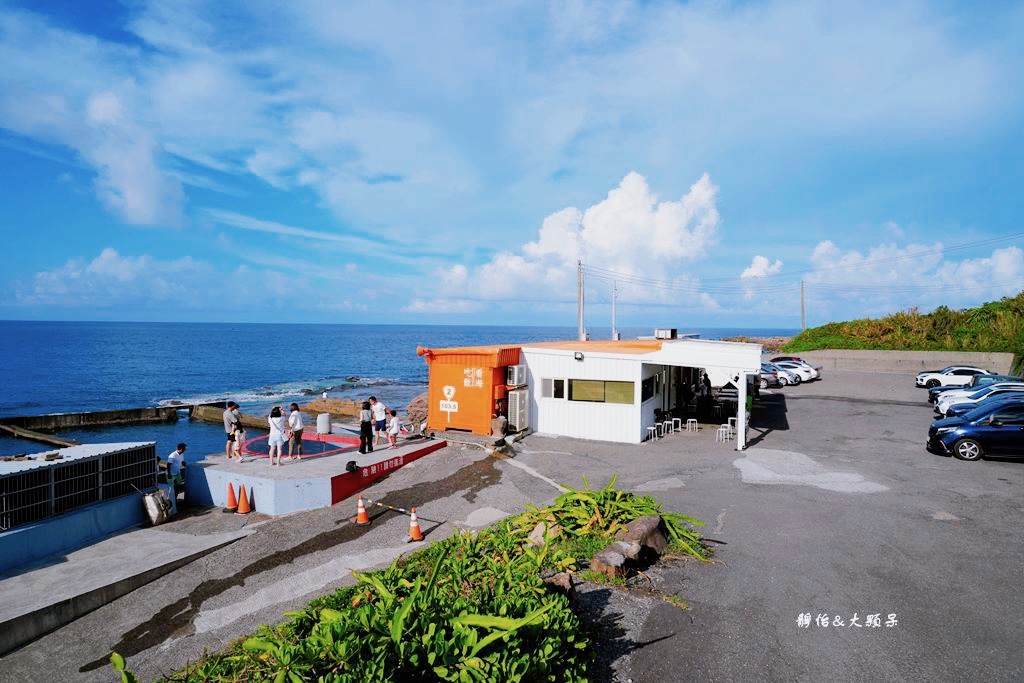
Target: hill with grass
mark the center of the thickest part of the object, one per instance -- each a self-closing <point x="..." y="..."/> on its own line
<point x="995" y="326"/>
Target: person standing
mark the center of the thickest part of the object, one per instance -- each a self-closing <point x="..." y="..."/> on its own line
<point x="276" y="439"/>
<point x="380" y="418"/>
<point x="365" y="429"/>
<point x="239" y="434"/>
<point x="296" y="425"/>
<point x="394" y="427"/>
<point x="230" y="418"/>
<point x="173" y="465"/>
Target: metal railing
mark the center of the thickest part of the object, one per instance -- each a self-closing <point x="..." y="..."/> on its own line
<point x="48" y="491"/>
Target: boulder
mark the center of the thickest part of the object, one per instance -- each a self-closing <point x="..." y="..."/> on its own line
<point x="609" y="563"/>
<point x="417" y="412"/>
<point x="562" y="582"/>
<point x="649" y="531"/>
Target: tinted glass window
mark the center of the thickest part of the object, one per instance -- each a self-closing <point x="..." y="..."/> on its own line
<point x="1013" y="415"/>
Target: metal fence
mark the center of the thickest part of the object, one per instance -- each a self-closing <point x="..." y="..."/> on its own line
<point x="36" y="494"/>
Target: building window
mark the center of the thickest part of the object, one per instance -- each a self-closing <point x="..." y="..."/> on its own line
<point x="553" y="388"/>
<point x="599" y="391"/>
<point x="648" y="389"/>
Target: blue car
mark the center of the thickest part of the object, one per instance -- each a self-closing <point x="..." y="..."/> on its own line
<point x="992" y="430"/>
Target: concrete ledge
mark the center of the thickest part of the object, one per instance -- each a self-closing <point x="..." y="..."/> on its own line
<point x="909" y="362"/>
<point x="92" y="578"/>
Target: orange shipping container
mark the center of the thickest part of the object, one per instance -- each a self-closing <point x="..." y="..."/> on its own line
<point x="465" y="385"/>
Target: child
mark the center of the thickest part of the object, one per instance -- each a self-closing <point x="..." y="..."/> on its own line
<point x="394" y="426"/>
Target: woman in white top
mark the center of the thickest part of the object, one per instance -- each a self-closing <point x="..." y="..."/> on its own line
<point x="277" y="422"/>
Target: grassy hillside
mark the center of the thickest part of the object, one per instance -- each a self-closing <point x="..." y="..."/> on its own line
<point x="995" y="326"/>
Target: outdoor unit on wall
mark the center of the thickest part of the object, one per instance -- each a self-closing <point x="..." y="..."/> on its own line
<point x="516" y="376"/>
<point x="518" y="410"/>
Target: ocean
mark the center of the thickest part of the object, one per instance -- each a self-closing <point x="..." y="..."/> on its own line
<point x="61" y="367"/>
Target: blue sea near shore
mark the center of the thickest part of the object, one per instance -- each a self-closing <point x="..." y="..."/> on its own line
<point x="61" y="367"/>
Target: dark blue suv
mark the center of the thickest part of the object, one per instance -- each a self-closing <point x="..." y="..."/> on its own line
<point x="993" y="430"/>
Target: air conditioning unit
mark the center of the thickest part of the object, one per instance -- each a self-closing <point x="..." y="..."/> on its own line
<point x="518" y="409"/>
<point x="516" y="376"/>
<point x="665" y="333"/>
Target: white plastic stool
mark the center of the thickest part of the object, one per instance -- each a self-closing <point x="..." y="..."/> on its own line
<point x="722" y="434"/>
<point x="677" y="424"/>
<point x="691" y="425"/>
<point x="652" y="432"/>
<point x="667" y="426"/>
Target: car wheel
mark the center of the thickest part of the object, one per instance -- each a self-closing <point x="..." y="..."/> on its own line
<point x="783" y="381"/>
<point x="968" y="449"/>
<point x="797" y="379"/>
<point x="932" y="383"/>
<point x="763" y="383"/>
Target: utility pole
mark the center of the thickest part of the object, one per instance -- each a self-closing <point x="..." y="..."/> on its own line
<point x="615" y="294"/>
<point x="803" y="314"/>
<point x="582" y="335"/>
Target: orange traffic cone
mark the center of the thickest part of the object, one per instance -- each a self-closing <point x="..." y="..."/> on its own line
<point x="362" y="519"/>
<point x="414" y="527"/>
<point x="243" y="502"/>
<point x="232" y="503"/>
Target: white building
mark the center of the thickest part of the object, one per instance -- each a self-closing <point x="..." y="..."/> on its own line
<point x="614" y="390"/>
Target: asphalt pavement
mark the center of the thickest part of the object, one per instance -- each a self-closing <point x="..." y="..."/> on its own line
<point x="834" y="514"/>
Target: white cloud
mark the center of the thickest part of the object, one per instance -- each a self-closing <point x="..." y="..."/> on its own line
<point x="887" y="278"/>
<point x="760" y="267"/>
<point x="631" y="232"/>
<point x="441" y="306"/>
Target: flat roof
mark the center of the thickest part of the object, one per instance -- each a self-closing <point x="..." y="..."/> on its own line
<point x="69" y="454"/>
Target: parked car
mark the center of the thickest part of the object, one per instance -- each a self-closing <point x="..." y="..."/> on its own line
<point x="769" y="377"/>
<point x="796" y="358"/>
<point x="952" y="375"/>
<point x="959" y="405"/>
<point x="804" y="371"/>
<point x="785" y="377"/>
<point x="993" y="430"/>
<point x="976" y="382"/>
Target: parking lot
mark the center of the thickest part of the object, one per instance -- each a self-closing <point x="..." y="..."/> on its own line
<point x="835" y="509"/>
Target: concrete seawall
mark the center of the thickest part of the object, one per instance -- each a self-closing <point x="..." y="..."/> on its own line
<point x="909" y="362"/>
<point x="62" y="421"/>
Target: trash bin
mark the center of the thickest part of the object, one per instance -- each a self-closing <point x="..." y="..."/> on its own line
<point x="323" y="423"/>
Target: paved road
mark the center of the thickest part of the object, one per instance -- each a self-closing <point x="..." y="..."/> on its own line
<point x="835" y="509"/>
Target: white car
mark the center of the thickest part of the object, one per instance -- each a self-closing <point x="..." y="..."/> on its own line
<point x="802" y="370"/>
<point x="953" y="375"/>
<point x="949" y="398"/>
<point x="785" y="376"/>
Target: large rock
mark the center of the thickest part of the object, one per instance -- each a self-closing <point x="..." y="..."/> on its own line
<point x="562" y="582"/>
<point x="649" y="531"/>
<point x="614" y="560"/>
<point x="417" y="412"/>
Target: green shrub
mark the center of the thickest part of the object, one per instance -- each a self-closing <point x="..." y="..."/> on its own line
<point x="472" y="607"/>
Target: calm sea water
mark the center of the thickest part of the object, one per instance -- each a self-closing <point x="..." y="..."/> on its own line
<point x="59" y="367"/>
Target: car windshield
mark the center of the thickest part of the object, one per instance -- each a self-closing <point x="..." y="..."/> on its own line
<point x="981" y="392"/>
<point x="991" y="406"/>
<point x="947" y="369"/>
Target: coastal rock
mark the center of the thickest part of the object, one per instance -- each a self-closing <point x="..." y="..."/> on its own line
<point x="417" y="412"/>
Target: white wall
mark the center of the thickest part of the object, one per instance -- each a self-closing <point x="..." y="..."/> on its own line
<point x="581" y="419"/>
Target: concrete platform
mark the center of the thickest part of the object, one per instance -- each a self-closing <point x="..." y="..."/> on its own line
<point x="297" y="485"/>
<point x="38" y="601"/>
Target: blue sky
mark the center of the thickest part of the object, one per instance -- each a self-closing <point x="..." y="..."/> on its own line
<point x="447" y="163"/>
